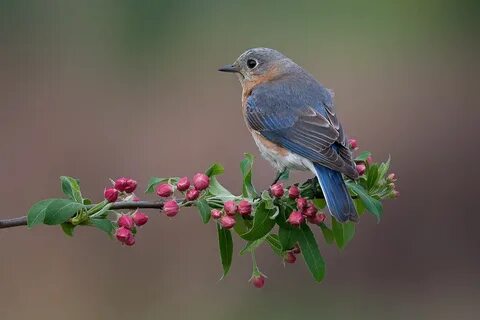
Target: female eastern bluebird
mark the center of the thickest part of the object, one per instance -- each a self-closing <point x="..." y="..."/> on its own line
<point x="292" y="119"/>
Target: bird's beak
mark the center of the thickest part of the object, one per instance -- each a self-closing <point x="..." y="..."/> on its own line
<point x="230" y="68"/>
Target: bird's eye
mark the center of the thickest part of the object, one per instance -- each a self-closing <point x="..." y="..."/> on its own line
<point x="251" y="63"/>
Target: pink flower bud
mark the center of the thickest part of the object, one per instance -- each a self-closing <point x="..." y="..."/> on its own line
<point x="296" y="249"/>
<point x="201" y="181"/>
<point x="353" y="144"/>
<point x="110" y="194"/>
<point x="311" y="211"/>
<point x="122" y="234"/>
<point x="183" y="184"/>
<point x="296" y="218"/>
<point x="277" y="190"/>
<point x="125" y="221"/>
<point x="164" y="190"/>
<point x="392" y="177"/>
<point x="230" y="207"/>
<point x="360" y="168"/>
<point x="258" y="281"/>
<point x="369" y="160"/>
<point x="317" y="219"/>
<point x="293" y="192"/>
<point x="301" y="203"/>
<point x="395" y="194"/>
<point x="171" y="208"/>
<point x="244" y="208"/>
<point x="216" y="214"/>
<point x="130" y="241"/>
<point x="289" y="257"/>
<point x="140" y="218"/>
<point x="192" y="194"/>
<point x="227" y="222"/>
<point x="131" y="186"/>
<point x="121" y="184"/>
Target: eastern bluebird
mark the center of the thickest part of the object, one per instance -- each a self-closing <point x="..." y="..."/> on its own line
<point x="292" y="119"/>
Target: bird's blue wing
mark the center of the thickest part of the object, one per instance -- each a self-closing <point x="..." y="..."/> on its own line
<point x="300" y="117"/>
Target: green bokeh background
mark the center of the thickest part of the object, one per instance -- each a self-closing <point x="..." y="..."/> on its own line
<point x="99" y="89"/>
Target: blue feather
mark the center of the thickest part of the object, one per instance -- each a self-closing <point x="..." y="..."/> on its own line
<point x="336" y="194"/>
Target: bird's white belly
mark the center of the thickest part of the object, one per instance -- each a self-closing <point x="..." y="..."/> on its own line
<point x="281" y="159"/>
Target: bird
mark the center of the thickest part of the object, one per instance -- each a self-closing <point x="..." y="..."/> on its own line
<point x="293" y="121"/>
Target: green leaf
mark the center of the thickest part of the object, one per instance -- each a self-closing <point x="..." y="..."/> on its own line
<point x="372" y="176"/>
<point x="320" y="203"/>
<point x="311" y="253"/>
<point x="337" y="229"/>
<point x="283" y="215"/>
<point x="327" y="233"/>
<point x="348" y="231"/>
<point x="370" y="203"/>
<point x="219" y="191"/>
<point x="363" y="156"/>
<point x="60" y="210"/>
<point x="288" y="237"/>
<point x="214" y="170"/>
<point x="226" y="248"/>
<point x="284" y="175"/>
<point x="262" y="224"/>
<point x="248" y="190"/>
<point x="204" y="210"/>
<point x="67" y="228"/>
<point x="153" y="182"/>
<point x="71" y="188"/>
<point x="36" y="214"/>
<point x="383" y="169"/>
<point x="103" y="224"/>
<point x="252" y="245"/>
<point x="275" y="244"/>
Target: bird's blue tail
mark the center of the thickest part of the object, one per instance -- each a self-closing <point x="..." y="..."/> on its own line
<point x="336" y="194"/>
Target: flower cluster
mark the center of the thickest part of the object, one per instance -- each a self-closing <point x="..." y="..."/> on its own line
<point x="126" y="223"/>
<point x="226" y="216"/>
<point x="305" y="209"/>
<point x="191" y="191"/>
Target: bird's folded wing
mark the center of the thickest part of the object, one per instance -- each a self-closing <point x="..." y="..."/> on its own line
<point x="306" y="128"/>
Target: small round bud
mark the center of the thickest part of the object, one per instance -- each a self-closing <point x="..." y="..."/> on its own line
<point x="140" y="218"/>
<point x="293" y="192"/>
<point x="311" y="211"/>
<point x="296" y="218"/>
<point x="192" y="194"/>
<point x="289" y="257"/>
<point x="183" y="184"/>
<point x="277" y="190"/>
<point x="244" y="208"/>
<point x="369" y="160"/>
<point x="353" y="144"/>
<point x="395" y="194"/>
<point x="126" y="221"/>
<point x="318" y="218"/>
<point x="131" y="186"/>
<point x="258" y="281"/>
<point x="121" y="184"/>
<point x="227" y="222"/>
<point x="216" y="214"/>
<point x="164" y="190"/>
<point x="110" y="194"/>
<point x="392" y="177"/>
<point x="201" y="181"/>
<point x="302" y="203"/>
<point x="230" y="207"/>
<point x="122" y="234"/>
<point x="171" y="208"/>
<point x="130" y="241"/>
<point x="360" y="168"/>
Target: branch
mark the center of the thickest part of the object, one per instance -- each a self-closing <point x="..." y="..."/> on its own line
<point x="130" y="205"/>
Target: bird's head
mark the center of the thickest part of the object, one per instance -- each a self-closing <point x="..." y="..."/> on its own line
<point x="259" y="65"/>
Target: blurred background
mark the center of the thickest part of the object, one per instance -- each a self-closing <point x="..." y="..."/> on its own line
<point x="100" y="89"/>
